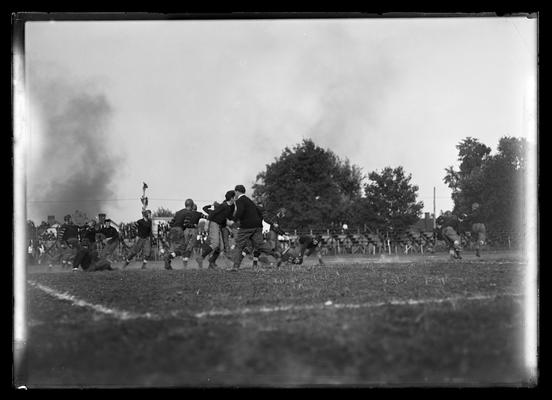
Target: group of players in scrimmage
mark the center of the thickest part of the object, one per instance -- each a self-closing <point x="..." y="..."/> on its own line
<point x="236" y="211"/>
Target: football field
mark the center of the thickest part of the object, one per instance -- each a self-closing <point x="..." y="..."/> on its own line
<point x="357" y="321"/>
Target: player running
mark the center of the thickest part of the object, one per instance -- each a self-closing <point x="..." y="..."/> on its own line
<point x="250" y="218"/>
<point x="478" y="229"/>
<point x="143" y="241"/>
<point x="447" y="230"/>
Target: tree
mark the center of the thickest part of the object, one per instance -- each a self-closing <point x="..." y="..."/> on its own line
<point x="495" y="182"/>
<point x="162" y="212"/>
<point x="391" y="200"/>
<point x="313" y="185"/>
<point x="466" y="183"/>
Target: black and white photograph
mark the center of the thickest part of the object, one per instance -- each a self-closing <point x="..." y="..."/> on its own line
<point x="287" y="201"/>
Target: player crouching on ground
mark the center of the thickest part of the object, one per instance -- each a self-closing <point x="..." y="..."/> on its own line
<point x="307" y="246"/>
<point x="90" y="261"/>
<point x="87" y="257"/>
<point x="143" y="241"/>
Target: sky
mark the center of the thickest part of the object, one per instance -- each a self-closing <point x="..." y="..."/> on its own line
<point x="195" y="107"/>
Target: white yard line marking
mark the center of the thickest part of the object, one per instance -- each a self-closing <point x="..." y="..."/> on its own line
<point x="126" y="315"/>
<point x="262" y="310"/>
<point x="119" y="314"/>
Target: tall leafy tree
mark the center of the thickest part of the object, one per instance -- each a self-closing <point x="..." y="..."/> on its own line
<point x="494" y="181"/>
<point x="466" y="182"/>
<point x="314" y="186"/>
<point x="391" y="199"/>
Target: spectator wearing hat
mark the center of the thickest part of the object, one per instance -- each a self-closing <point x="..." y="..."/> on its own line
<point x="251" y="228"/>
<point x="217" y="223"/>
<point x="143" y="241"/>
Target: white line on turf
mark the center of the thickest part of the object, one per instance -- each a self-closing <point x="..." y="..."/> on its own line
<point x="119" y="314"/>
<point x="126" y="315"/>
<point x="327" y="305"/>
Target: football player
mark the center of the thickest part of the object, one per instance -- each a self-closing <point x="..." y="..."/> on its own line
<point x="307" y="246"/>
<point x="447" y="230"/>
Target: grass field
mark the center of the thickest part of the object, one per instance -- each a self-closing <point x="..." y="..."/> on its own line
<point x="400" y="321"/>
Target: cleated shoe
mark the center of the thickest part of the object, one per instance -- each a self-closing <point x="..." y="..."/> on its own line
<point x="212" y="265"/>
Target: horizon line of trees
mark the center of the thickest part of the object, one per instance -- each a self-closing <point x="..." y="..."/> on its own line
<point x="312" y="188"/>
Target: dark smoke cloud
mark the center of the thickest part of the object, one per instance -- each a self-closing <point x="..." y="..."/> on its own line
<point x="70" y="166"/>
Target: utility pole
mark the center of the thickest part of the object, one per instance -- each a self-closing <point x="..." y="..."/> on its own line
<point x="434" y="215"/>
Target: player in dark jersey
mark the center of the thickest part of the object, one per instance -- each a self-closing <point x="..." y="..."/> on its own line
<point x="478" y="229"/>
<point x="307" y="246"/>
<point x="448" y="226"/>
<point x="88" y="244"/>
<point x="183" y="233"/>
<point x="143" y="240"/>
<point x="69" y="241"/>
<point x="91" y="261"/>
<point x="110" y="239"/>
<point x="250" y="218"/>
